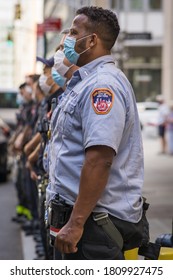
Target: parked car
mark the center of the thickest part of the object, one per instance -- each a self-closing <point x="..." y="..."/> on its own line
<point x="148" y="115"/>
<point x="4" y="134"/>
<point x="8" y="105"/>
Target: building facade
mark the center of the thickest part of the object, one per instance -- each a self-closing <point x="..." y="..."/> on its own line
<point x="143" y="50"/>
<point x="139" y="49"/>
<point x="18" y="40"/>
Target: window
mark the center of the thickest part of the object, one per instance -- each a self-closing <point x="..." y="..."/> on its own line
<point x="155" y="4"/>
<point x="146" y="83"/>
<point x="136" y="5"/>
<point x="117" y="5"/>
<point x="8" y="99"/>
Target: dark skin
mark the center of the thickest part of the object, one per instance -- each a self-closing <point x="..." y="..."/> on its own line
<point x="78" y="30"/>
<point x="98" y="159"/>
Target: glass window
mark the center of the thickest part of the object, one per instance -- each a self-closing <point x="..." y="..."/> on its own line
<point x="136" y="5"/>
<point x="155" y="4"/>
<point x="114" y="4"/>
<point x="118" y="4"/>
<point x="146" y="83"/>
<point x="121" y="5"/>
<point x="8" y="99"/>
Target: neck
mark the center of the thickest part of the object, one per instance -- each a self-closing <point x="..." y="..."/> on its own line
<point x="54" y="88"/>
<point x="92" y="56"/>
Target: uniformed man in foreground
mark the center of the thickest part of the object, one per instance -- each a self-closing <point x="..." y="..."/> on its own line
<point x="96" y="156"/>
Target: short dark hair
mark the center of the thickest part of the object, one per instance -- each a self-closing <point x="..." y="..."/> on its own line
<point x="103" y="22"/>
<point x="34" y="77"/>
<point x="22" y="85"/>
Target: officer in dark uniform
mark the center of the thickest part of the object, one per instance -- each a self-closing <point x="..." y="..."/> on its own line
<point x="35" y="159"/>
<point x="21" y="136"/>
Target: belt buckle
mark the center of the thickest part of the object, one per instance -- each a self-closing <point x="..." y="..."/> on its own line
<point x="100" y="216"/>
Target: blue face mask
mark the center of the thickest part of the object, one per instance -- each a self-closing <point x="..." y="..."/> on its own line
<point x="58" y="79"/>
<point x="19" y="99"/>
<point x="69" y="49"/>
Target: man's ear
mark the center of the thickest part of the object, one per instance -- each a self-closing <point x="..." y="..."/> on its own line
<point x="93" y="40"/>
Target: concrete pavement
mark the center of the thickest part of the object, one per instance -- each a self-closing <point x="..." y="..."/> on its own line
<point x="10" y="233"/>
<point x="158" y="187"/>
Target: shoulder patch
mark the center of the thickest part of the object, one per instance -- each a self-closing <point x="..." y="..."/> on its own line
<point x="102" y="100"/>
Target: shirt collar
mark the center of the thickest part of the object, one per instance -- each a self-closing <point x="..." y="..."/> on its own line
<point x="85" y="70"/>
<point x="88" y="68"/>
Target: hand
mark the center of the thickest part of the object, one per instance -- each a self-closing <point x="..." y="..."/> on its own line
<point x="68" y="237"/>
<point x="33" y="175"/>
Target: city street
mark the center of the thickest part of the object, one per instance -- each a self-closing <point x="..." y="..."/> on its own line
<point x="157" y="189"/>
<point x="10" y="234"/>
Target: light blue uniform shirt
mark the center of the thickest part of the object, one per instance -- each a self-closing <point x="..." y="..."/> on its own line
<point x="98" y="108"/>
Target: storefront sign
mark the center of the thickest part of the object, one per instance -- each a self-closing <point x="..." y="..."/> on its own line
<point x="50" y="24"/>
<point x="138" y="36"/>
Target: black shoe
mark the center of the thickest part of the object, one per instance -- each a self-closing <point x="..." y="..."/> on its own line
<point x="38" y="245"/>
<point x="28" y="232"/>
<point x="40" y="251"/>
<point x="27" y="225"/>
<point x="19" y="219"/>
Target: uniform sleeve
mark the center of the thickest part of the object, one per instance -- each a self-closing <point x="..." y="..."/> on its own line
<point x="103" y="117"/>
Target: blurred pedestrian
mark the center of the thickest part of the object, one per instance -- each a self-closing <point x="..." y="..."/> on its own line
<point x="169" y="129"/>
<point x="162" y="116"/>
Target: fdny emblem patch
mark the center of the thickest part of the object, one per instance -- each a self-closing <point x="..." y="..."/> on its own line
<point x="102" y="100"/>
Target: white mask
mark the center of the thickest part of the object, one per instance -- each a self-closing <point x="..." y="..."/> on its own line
<point x="59" y="65"/>
<point x="28" y="89"/>
<point x="44" y="86"/>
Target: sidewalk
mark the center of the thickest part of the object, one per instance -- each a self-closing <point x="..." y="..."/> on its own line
<point x="158" y="187"/>
<point x="10" y="239"/>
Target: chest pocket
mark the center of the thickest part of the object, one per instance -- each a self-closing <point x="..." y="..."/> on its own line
<point x="67" y="117"/>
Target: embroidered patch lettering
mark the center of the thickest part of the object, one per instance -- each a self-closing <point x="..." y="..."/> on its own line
<point x="102" y="100"/>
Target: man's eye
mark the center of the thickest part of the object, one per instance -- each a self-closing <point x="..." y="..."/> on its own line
<point x="73" y="32"/>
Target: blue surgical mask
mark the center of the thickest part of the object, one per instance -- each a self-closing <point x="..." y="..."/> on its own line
<point x="19" y="99"/>
<point x="58" y="79"/>
<point x="69" y="49"/>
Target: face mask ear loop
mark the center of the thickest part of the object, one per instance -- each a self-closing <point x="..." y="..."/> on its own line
<point x="84" y="38"/>
<point x="70" y="66"/>
<point x="50" y="76"/>
<point x="85" y="50"/>
<point x="52" y="85"/>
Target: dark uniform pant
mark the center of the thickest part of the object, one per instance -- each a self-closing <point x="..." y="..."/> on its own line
<point x="95" y="243"/>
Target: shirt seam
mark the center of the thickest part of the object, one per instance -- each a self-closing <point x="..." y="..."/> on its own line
<point x="101" y="143"/>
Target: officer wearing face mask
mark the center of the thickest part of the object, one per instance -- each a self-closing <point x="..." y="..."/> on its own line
<point x="62" y="69"/>
<point x="19" y="139"/>
<point x="53" y="82"/>
<point x="29" y="118"/>
<point x="96" y="153"/>
<point x="53" y="89"/>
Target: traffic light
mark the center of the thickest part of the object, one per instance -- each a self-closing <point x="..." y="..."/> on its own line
<point x="17" y="14"/>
